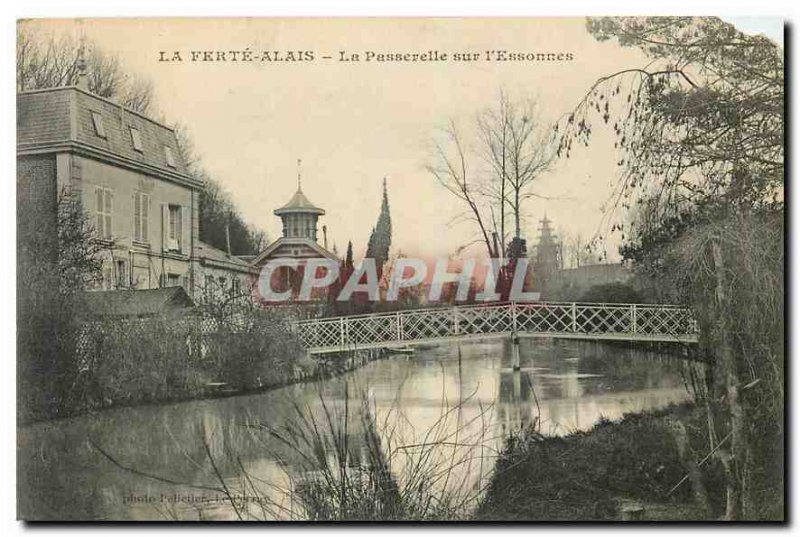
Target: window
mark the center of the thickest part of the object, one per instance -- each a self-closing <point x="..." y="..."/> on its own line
<point x="122" y="274"/>
<point x="169" y="156"/>
<point x="136" y="139"/>
<point x="236" y="287"/>
<point x="97" y="120"/>
<point x="141" y="217"/>
<point x="108" y="280"/>
<point x="175" y="227"/>
<point x="173" y="280"/>
<point x="104" y="200"/>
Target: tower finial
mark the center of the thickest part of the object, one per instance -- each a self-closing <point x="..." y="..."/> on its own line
<point x="299" y="179"/>
<point x="83" y="77"/>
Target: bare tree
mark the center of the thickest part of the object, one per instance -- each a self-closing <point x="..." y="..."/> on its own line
<point x="449" y="166"/>
<point x="518" y="151"/>
<point x="49" y="62"/>
<point x="515" y="151"/>
<point x="576" y="251"/>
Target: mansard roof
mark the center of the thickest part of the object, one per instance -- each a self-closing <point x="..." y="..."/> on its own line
<point x="299" y="204"/>
<point x="63" y="118"/>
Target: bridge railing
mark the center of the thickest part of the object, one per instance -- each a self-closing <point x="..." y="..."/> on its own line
<point x="636" y="321"/>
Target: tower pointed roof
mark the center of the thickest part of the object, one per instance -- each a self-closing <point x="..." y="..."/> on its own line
<point x="299" y="204"/>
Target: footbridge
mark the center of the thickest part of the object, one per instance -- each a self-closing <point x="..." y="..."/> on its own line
<point x="571" y="320"/>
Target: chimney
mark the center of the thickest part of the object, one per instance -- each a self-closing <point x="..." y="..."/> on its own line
<point x="83" y="77"/>
<point x="228" y="238"/>
<point x="325" y="236"/>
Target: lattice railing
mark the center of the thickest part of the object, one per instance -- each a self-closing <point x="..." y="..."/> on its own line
<point x="621" y="321"/>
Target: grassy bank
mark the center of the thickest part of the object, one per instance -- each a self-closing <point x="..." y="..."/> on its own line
<point x="643" y="466"/>
<point x="120" y="363"/>
<point x="124" y="362"/>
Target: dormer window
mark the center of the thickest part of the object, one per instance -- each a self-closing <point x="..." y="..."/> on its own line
<point x="97" y="120"/>
<point x="136" y="139"/>
<point x="170" y="157"/>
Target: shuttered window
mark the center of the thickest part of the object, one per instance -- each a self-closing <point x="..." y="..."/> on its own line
<point x="141" y="217"/>
<point x="175" y="227"/>
<point x="104" y="204"/>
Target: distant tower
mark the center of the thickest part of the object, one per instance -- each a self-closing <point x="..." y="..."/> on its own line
<point x="299" y="216"/>
<point x="547" y="254"/>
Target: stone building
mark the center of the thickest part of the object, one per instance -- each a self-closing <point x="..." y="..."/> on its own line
<point x="299" y="241"/>
<point x="222" y="276"/>
<point x="128" y="173"/>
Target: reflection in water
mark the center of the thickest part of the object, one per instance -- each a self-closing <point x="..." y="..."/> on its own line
<point x="562" y="386"/>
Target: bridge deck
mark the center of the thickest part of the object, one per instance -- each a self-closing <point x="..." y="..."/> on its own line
<point x="572" y="320"/>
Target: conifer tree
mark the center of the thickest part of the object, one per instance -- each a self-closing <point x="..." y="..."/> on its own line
<point x="381" y="237"/>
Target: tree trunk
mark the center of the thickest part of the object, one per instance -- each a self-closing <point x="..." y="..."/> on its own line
<point x="730" y="459"/>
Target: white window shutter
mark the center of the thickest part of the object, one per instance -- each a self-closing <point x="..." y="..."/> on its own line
<point x="186" y="226"/>
<point x="99" y="221"/>
<point x="164" y="227"/>
<point x="145" y="218"/>
<point x="137" y="217"/>
<point x="109" y="212"/>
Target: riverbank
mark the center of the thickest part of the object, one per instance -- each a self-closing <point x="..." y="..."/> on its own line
<point x="204" y="386"/>
<point x="641" y="467"/>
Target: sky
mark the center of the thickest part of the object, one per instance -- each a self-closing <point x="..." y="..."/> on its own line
<point x="354" y="123"/>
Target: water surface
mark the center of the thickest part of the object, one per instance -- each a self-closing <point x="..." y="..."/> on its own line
<point x="463" y="393"/>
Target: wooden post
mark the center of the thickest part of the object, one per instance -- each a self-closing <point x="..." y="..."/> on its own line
<point x="513" y="317"/>
<point x="341" y="332"/>
<point x="455" y="321"/>
<point x="398" y="326"/>
<point x="515" y="351"/>
<point x="574" y="318"/>
<point x="633" y="319"/>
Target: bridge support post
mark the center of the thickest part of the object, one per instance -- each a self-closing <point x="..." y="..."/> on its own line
<point x="515" y="351"/>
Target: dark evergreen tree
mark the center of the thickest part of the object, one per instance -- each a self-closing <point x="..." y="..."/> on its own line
<point x="218" y="212"/>
<point x="348" y="260"/>
<point x="381" y="237"/>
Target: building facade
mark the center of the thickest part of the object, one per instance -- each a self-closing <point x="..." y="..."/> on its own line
<point x="224" y="277"/>
<point x="128" y="173"/>
<point x="129" y="176"/>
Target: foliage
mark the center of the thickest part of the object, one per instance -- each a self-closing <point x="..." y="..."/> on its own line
<point x="173" y="357"/>
<point x="583" y="476"/>
<point x="701" y="124"/>
<point x="701" y="140"/>
<point x="748" y="320"/>
<point x="611" y="293"/>
<point x="357" y="465"/>
<point x="46" y="61"/>
<point x="58" y="257"/>
<point x="219" y="218"/>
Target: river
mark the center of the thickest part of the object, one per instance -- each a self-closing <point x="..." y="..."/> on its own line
<point x="463" y="397"/>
